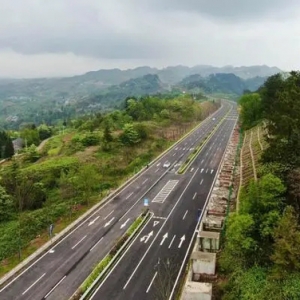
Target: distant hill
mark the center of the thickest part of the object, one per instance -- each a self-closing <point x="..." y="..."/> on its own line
<point x="226" y="83"/>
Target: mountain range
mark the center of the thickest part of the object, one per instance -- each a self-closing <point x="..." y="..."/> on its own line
<point x="33" y="99"/>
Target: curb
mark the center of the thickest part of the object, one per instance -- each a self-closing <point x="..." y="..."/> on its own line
<point x="88" y="213"/>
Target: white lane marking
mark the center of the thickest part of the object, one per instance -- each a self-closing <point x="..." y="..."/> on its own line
<point x="165" y="191"/>
<point x="55" y="286"/>
<point x="145" y="181"/>
<point x="125" y="223"/>
<point x="174" y="154"/>
<point x="195" y="196"/>
<point x="202" y="161"/>
<point x="172" y="241"/>
<point x="108" y="223"/>
<point x="176" y="148"/>
<point x="170" y="213"/>
<point x="92" y="222"/>
<point x="33" y="284"/>
<point x="211" y="171"/>
<point x="206" y="154"/>
<point x="158" y="165"/>
<point x="109" y="214"/>
<point x="163" y="239"/>
<point x="183" y="149"/>
<point x="129" y="195"/>
<point x="192" y="169"/>
<point x="206" y="171"/>
<point x="201" y="170"/>
<point x="78" y="242"/>
<point x="181" y="241"/>
<point x="148" y="289"/>
<point x="184" y="215"/>
<point x="156" y="171"/>
<point x="96" y="244"/>
<point x="51" y="251"/>
<point x="201" y="181"/>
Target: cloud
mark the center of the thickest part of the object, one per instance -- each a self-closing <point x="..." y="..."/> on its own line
<point x="93" y="34"/>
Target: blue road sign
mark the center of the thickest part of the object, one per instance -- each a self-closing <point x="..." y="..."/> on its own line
<point x="146" y="202"/>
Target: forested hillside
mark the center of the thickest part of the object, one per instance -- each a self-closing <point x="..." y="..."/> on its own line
<point x="261" y="257"/>
<point x="78" y="167"/>
<point x="54" y="100"/>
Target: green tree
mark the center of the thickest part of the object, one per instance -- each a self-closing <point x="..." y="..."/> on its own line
<point x="6" y="206"/>
<point x="130" y="136"/>
<point x="286" y="256"/>
<point x="251" y="110"/>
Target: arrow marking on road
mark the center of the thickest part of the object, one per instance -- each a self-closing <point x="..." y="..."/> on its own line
<point x="155" y="223"/>
<point x="163" y="239"/>
<point x="181" y="241"/>
<point x="211" y="171"/>
<point x="124" y="224"/>
<point x="201" y="170"/>
<point x="108" y="223"/>
<point x="148" y="237"/>
<point x="92" y="222"/>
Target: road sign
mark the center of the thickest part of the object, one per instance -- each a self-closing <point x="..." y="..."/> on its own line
<point x="146" y="202"/>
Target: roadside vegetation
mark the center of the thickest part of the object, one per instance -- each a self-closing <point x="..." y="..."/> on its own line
<point x="81" y="164"/>
<point x="261" y="254"/>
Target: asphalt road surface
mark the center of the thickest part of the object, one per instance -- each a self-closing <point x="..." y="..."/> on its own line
<point x="149" y="267"/>
<point x="58" y="273"/>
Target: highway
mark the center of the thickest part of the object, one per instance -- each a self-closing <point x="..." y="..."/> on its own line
<point x="149" y="267"/>
<point x="58" y="273"/>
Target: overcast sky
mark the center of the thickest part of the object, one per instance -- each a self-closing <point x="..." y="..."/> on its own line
<point x="66" y="37"/>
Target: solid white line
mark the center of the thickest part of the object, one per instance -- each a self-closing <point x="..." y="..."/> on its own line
<point x="195" y="196"/>
<point x="79" y="242"/>
<point x="170" y="213"/>
<point x="129" y="195"/>
<point x="55" y="286"/>
<point x="204" y="208"/>
<point x="151" y="282"/>
<point x="202" y="161"/>
<point x="96" y="244"/>
<point x="107" y="276"/>
<point x="109" y="214"/>
<point x="33" y="284"/>
<point x="172" y="241"/>
<point x="201" y="181"/>
<point x="145" y="181"/>
<point x="184" y="215"/>
<point x="156" y="171"/>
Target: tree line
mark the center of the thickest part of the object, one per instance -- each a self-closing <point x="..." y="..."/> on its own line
<point x="261" y="256"/>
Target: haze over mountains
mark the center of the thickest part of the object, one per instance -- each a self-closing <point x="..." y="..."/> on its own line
<point x="25" y="99"/>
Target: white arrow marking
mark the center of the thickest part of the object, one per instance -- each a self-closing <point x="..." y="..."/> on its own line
<point x="124" y="224"/>
<point x="201" y="181"/>
<point x="211" y="171"/>
<point x="51" y="251"/>
<point x="148" y="237"/>
<point x="108" y="223"/>
<point x="181" y="241"/>
<point x="163" y="239"/>
<point x="155" y="223"/>
<point x="143" y="238"/>
<point x="201" y="170"/>
<point x="92" y="222"/>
